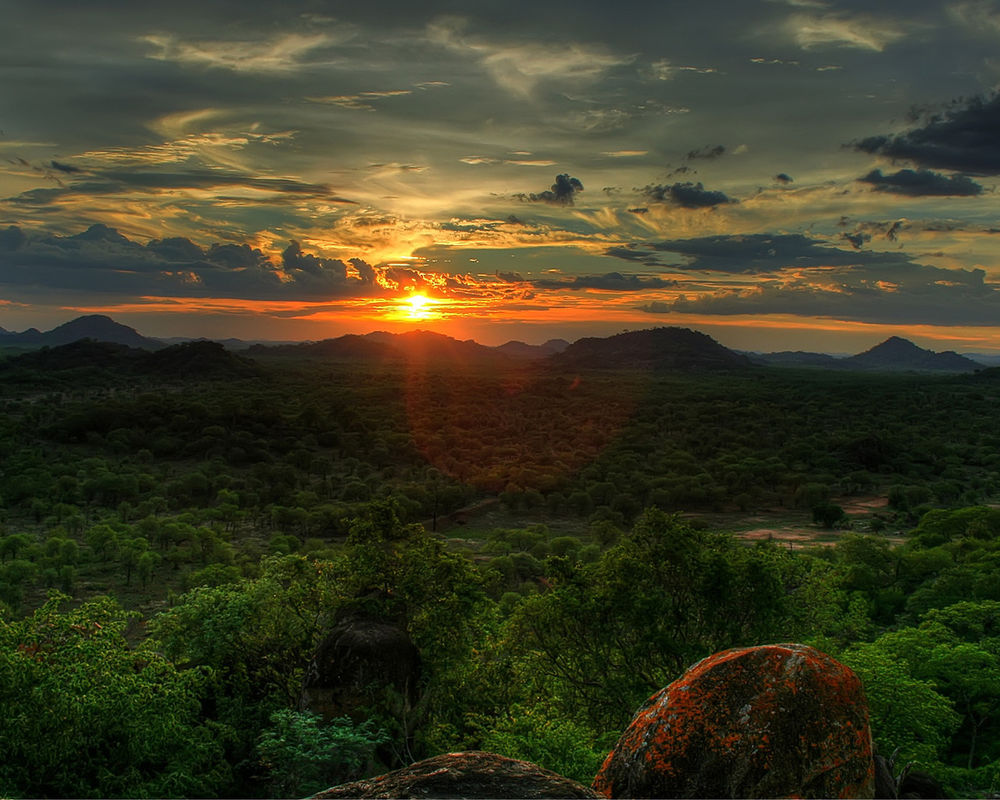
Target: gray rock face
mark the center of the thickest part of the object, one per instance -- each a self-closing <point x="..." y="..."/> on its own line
<point x="472" y="774"/>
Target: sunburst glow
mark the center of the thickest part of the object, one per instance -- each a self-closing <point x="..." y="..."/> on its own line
<point x="419" y="306"/>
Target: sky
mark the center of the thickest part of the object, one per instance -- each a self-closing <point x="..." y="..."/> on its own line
<point x="781" y="174"/>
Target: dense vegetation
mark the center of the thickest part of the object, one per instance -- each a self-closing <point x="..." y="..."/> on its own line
<point x="172" y="556"/>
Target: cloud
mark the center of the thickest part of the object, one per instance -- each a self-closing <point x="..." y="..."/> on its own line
<point x="756" y="253"/>
<point x="922" y="183"/>
<point x="519" y="67"/>
<point x="858" y="239"/>
<point x="624" y="153"/>
<point x="664" y="70"/>
<point x="216" y="147"/>
<point x="111" y="182"/>
<point x="784" y="179"/>
<point x="69" y="169"/>
<point x="280" y="53"/>
<point x="560" y="194"/>
<point x="609" y="282"/>
<point x="687" y="195"/>
<point x="865" y="230"/>
<point x="100" y="260"/>
<point x="12" y="238"/>
<point x="840" y="30"/>
<point x="707" y="152"/>
<point x="979" y="16"/>
<point x="910" y="294"/>
<point x="965" y="137"/>
<point x="361" y="101"/>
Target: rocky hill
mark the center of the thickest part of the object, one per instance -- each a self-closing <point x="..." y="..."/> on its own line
<point x="655" y="348"/>
<point x="896" y="353"/>
<point x="94" y="326"/>
<point x="190" y="360"/>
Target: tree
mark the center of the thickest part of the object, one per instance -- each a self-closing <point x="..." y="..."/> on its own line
<point x="303" y="756"/>
<point x="609" y="633"/>
<point x="88" y="716"/>
<point x="12" y="544"/>
<point x="827" y="515"/>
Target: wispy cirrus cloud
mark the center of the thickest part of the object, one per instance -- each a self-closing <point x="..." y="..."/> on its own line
<point x="279" y="53"/>
<point x="519" y="67"/>
<point x="863" y="31"/>
<point x="361" y="101"/>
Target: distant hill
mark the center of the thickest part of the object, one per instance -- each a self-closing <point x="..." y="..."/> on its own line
<point x="427" y="346"/>
<point x="94" y="326"/>
<point x="528" y="352"/>
<point x="193" y="359"/>
<point x="381" y="346"/>
<point x="85" y="353"/>
<point x="896" y="354"/>
<point x="796" y="358"/>
<point x="344" y="348"/>
<point x="987" y="359"/>
<point x="656" y="348"/>
<point x="198" y="359"/>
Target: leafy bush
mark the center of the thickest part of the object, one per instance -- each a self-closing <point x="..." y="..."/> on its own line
<point x="303" y="756"/>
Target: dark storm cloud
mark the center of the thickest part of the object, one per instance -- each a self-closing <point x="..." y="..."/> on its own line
<point x="965" y="138"/>
<point x="67" y="168"/>
<point x="747" y="254"/>
<point x="295" y="260"/>
<point x="707" y="152"/>
<point x="12" y="238"/>
<point x="922" y="183"/>
<point x="687" y="195"/>
<point x="857" y="240"/>
<point x="560" y="194"/>
<point x="865" y="230"/>
<point x="784" y="179"/>
<point x="915" y="294"/>
<point x="609" y="282"/>
<point x="101" y="260"/>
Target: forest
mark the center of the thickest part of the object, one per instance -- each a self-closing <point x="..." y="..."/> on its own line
<point x="181" y="535"/>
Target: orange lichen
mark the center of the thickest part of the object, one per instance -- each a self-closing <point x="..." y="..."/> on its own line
<point x="765" y="721"/>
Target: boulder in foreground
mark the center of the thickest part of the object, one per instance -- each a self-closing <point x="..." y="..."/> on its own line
<point x="772" y="721"/>
<point x="472" y="774"/>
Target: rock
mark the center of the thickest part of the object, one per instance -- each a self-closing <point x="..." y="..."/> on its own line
<point x="919" y="785"/>
<point x="773" y="721"/>
<point x="472" y="774"/>
<point x="360" y="656"/>
<point x="885" y="782"/>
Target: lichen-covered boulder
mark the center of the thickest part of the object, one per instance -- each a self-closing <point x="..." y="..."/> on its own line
<point x="473" y="774"/>
<point x="779" y="720"/>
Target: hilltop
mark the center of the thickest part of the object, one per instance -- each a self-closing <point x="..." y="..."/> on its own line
<point x="895" y="354"/>
<point x="98" y="327"/>
<point x="655" y="348"/>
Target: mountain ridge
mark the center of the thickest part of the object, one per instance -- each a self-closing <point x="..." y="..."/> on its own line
<point x="895" y="354"/>
<point x="649" y="348"/>
<point x="98" y="327"/>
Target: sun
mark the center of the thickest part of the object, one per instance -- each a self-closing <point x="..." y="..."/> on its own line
<point x="419" y="306"/>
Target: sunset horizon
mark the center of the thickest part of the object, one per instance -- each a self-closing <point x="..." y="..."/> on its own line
<point x="789" y="174"/>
